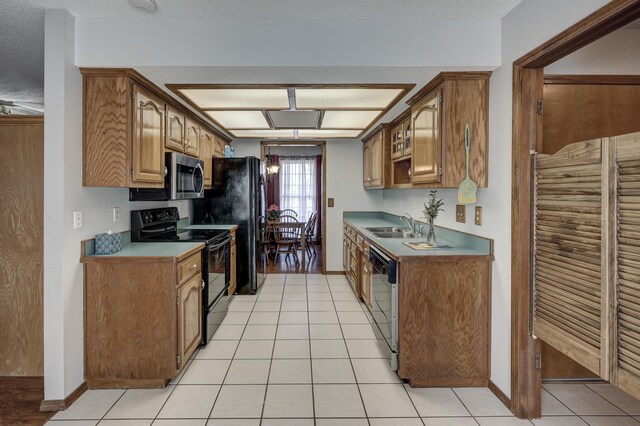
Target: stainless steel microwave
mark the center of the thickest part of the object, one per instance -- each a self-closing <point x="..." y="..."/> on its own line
<point x="184" y="180"/>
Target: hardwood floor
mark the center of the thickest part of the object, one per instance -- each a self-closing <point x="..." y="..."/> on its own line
<point x="283" y="265"/>
<point x="20" y="399"/>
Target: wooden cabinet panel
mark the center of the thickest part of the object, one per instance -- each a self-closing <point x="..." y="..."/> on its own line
<point x="218" y="147"/>
<point x="189" y="319"/>
<point x="192" y="138"/>
<point x="148" y="139"/>
<point x="175" y="130"/>
<point x="366" y="279"/>
<point x="189" y="267"/>
<point x="376" y="167"/>
<point x="206" y="154"/>
<point x="366" y="165"/>
<point x="426" y="158"/>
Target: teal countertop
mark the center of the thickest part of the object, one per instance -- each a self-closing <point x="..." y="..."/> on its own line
<point x="461" y="244"/>
<point x="151" y="250"/>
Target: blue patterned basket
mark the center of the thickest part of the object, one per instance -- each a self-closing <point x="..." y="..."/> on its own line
<point x="108" y="243"/>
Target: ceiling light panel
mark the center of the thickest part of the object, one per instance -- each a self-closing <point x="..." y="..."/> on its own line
<point x="238" y="98"/>
<point x="240" y="119"/>
<point x="294" y="119"/>
<point x="342" y="134"/>
<point x="348" y="119"/>
<point x="266" y="134"/>
<point x="345" y="98"/>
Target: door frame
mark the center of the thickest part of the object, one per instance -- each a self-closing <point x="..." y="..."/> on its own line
<point x="528" y="83"/>
<point x="323" y="225"/>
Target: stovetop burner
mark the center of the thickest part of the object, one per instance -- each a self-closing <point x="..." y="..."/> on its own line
<point x="161" y="225"/>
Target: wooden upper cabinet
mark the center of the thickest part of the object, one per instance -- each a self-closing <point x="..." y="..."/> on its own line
<point x="439" y="113"/>
<point x="376" y="158"/>
<point x="148" y="139"/>
<point x="129" y="123"/>
<point x="218" y="147"/>
<point x="366" y="164"/>
<point x="426" y="157"/>
<point x="206" y="154"/>
<point x="192" y="138"/>
<point x="376" y="161"/>
<point x="175" y="130"/>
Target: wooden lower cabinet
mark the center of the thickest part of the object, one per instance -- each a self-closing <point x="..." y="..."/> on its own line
<point x="444" y="323"/>
<point x="189" y="318"/>
<point x="233" y="265"/>
<point x="142" y="318"/>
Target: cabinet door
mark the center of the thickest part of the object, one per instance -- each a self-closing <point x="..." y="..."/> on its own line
<point x="232" y="267"/>
<point x="365" y="278"/>
<point x="366" y="164"/>
<point x="175" y="130"/>
<point x="218" y="147"/>
<point x="147" y="154"/>
<point x="376" y="155"/>
<point x="346" y="254"/>
<point x="189" y="318"/>
<point x="206" y="152"/>
<point x="426" y="158"/>
<point x="192" y="138"/>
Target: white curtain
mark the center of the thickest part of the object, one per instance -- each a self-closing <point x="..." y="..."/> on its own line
<point x="298" y="186"/>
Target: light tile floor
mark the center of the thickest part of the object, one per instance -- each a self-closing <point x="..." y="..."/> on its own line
<point x="302" y="352"/>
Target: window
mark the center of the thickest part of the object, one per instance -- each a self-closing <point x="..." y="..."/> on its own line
<point x="298" y="185"/>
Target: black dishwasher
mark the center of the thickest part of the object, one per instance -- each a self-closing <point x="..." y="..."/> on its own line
<point x="385" y="304"/>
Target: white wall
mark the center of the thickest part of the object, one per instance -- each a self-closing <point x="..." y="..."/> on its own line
<point x="287" y="42"/>
<point x="616" y="53"/>
<point x="64" y="194"/>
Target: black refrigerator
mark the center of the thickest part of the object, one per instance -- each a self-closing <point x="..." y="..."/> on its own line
<point x="237" y="196"/>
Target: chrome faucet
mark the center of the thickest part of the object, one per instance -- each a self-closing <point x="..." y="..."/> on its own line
<point x="410" y="220"/>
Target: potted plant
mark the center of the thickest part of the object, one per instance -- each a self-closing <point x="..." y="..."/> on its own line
<point x="273" y="212"/>
<point x="431" y="211"/>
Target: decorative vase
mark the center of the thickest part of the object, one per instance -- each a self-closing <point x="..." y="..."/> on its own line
<point x="431" y="236"/>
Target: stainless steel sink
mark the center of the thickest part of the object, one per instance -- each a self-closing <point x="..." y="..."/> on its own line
<point x="396" y="234"/>
<point x="388" y="229"/>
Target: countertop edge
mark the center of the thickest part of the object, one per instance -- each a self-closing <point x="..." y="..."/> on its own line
<point x="150" y="258"/>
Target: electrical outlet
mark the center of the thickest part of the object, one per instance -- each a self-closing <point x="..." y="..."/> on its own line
<point x="77" y="219"/>
<point x="330" y="202"/>
<point x="478" y="215"/>
<point x="461" y="213"/>
<point x="116" y="214"/>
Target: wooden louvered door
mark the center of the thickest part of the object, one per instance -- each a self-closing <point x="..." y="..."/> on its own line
<point x="627" y="356"/>
<point x="570" y="287"/>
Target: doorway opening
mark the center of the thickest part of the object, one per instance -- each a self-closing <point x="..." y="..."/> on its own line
<point x="528" y="137"/>
<point x="295" y="190"/>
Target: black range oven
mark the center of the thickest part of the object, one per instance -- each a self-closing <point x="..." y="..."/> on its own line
<point x="161" y="225"/>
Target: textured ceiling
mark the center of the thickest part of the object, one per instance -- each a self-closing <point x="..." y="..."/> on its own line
<point x="21" y="52"/>
<point x="346" y="9"/>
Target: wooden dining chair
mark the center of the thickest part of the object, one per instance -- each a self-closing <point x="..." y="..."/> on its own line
<point x="289" y="212"/>
<point x="286" y="238"/>
<point x="309" y="232"/>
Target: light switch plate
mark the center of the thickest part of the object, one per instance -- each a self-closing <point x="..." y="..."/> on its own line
<point x="478" y="216"/>
<point x="116" y="214"/>
<point x="330" y="202"/>
<point x="77" y="219"/>
<point x="461" y="213"/>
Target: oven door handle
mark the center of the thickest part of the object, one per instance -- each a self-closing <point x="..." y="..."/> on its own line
<point x="221" y="243"/>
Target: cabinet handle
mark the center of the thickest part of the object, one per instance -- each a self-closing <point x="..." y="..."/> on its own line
<point x="166" y="170"/>
<point x="409" y="171"/>
<point x="193" y="267"/>
<point x="202" y="284"/>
